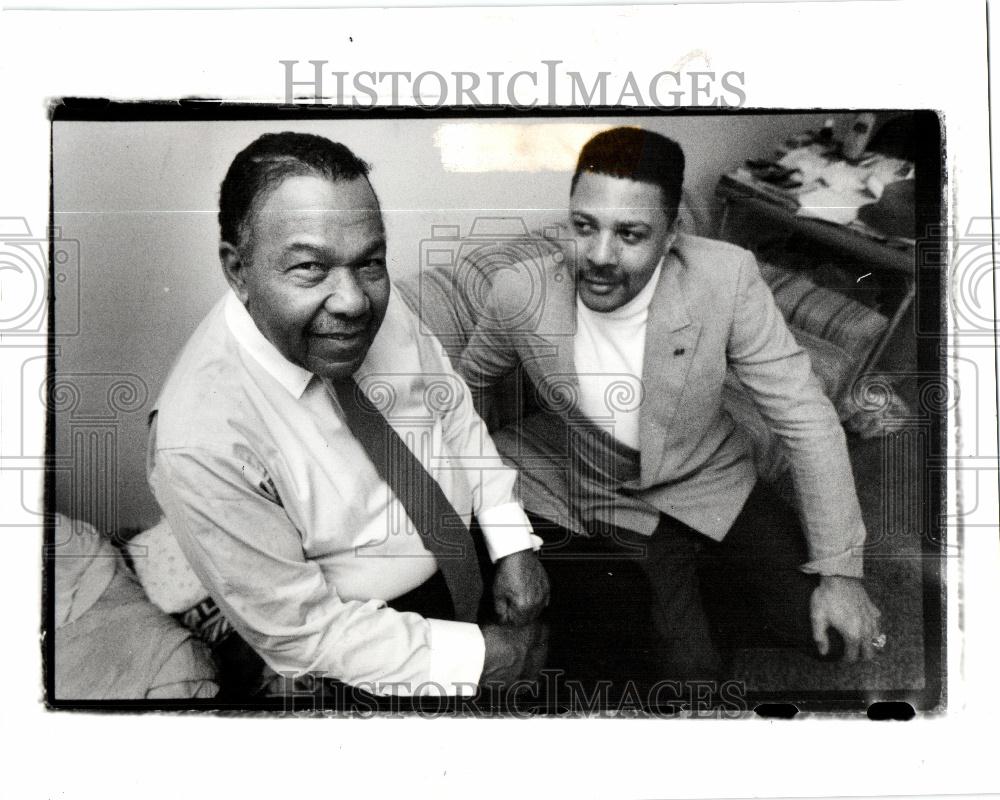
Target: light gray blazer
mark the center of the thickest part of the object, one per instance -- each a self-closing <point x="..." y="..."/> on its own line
<point x="711" y="312"/>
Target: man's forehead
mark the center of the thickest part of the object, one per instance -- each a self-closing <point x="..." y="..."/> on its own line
<point x="320" y="206"/>
<point x="611" y="194"/>
<point x="312" y="194"/>
<point x="349" y="217"/>
<point x="618" y="208"/>
<point x="320" y="229"/>
<point x="625" y="213"/>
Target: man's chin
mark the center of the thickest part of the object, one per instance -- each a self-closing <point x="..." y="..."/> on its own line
<point x="599" y="299"/>
<point x="337" y="369"/>
<point x="335" y="358"/>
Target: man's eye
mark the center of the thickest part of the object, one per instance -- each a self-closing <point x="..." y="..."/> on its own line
<point x="374" y="265"/>
<point x="308" y="267"/>
<point x="582" y="226"/>
<point x="632" y="237"/>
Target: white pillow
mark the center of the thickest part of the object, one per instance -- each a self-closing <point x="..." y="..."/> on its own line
<point x="163" y="570"/>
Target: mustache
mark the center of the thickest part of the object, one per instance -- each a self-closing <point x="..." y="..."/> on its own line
<point x="354" y="328"/>
<point x="600" y="275"/>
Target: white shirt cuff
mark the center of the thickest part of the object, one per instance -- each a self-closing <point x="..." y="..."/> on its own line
<point x="506" y="530"/>
<point x="458" y="653"/>
<point x="849" y="564"/>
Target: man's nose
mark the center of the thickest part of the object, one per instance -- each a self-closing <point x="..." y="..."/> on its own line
<point x="345" y="296"/>
<point x="602" y="250"/>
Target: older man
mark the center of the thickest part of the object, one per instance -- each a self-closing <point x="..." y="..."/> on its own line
<point x="628" y="350"/>
<point x="320" y="462"/>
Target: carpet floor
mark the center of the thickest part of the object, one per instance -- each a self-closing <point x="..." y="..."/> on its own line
<point x="891" y="477"/>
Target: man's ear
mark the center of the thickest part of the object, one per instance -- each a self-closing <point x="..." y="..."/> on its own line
<point x="671" y="235"/>
<point x="234" y="268"/>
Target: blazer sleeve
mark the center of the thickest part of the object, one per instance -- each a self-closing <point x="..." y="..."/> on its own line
<point x="778" y="375"/>
<point x="488" y="357"/>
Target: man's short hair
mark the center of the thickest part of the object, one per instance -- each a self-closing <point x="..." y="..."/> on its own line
<point x="270" y="159"/>
<point x="638" y="155"/>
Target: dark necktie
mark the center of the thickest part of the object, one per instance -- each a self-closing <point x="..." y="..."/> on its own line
<point x="443" y="532"/>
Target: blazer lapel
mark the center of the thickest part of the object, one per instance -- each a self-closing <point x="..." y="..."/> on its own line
<point x="551" y="345"/>
<point x="671" y="337"/>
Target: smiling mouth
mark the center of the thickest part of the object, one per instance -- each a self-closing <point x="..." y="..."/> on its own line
<point x="599" y="285"/>
<point x="340" y="345"/>
<point x="340" y="336"/>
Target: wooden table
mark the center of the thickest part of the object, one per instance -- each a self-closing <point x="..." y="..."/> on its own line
<point x="776" y="209"/>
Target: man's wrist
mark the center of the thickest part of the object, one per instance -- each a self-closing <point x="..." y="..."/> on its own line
<point x="843" y="580"/>
<point x="517" y="555"/>
<point x="847" y="564"/>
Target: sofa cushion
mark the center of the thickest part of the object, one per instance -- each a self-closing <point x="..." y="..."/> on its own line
<point x="825" y="313"/>
<point x="163" y="570"/>
<point x="84" y="563"/>
<point x="111" y="642"/>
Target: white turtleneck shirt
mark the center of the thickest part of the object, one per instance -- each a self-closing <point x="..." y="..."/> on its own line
<point x="609" y="348"/>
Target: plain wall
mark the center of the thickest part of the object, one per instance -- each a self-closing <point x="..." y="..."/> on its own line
<point x="140" y="198"/>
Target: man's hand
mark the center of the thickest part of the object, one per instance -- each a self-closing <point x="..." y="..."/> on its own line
<point x="520" y="588"/>
<point x="843" y="604"/>
<point x="514" y="652"/>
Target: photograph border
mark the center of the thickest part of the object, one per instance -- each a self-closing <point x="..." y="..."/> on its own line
<point x="931" y="334"/>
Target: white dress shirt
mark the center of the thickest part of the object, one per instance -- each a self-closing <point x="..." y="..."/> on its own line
<point x="608" y="349"/>
<point x="287" y="523"/>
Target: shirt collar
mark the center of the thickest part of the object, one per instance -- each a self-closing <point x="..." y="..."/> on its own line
<point x="294" y="378"/>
